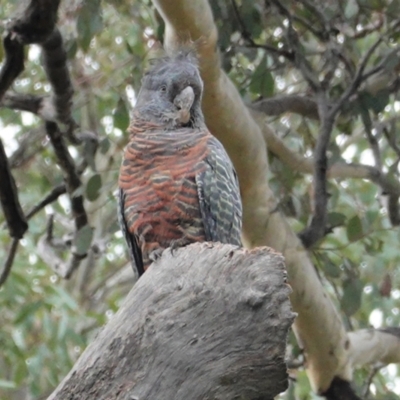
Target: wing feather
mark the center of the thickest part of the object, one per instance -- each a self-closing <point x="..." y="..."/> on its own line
<point x="135" y="251"/>
<point x="219" y="196"/>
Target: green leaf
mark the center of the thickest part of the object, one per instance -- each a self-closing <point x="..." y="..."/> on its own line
<point x="351" y="9"/>
<point x="89" y="22"/>
<point x="71" y="46"/>
<point x="351" y="299"/>
<point x="93" y="187"/>
<point x="391" y="62"/>
<point x="61" y="299"/>
<point x="336" y="219"/>
<point x="262" y="81"/>
<point x="331" y="269"/>
<point x="354" y="229"/>
<point x="83" y="240"/>
<point x="393" y="7"/>
<point x="376" y="103"/>
<point x="105" y="145"/>
<point x="121" y="116"/>
<point x="27" y="311"/>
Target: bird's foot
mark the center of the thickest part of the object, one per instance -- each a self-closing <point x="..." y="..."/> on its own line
<point x="177" y="243"/>
<point x="156" y="254"/>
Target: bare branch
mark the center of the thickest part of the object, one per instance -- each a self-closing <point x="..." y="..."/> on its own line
<point x="317" y="228"/>
<point x="29" y="144"/>
<point x="50" y="198"/>
<point x="41" y="106"/>
<point x="307" y="106"/>
<point x="73" y="185"/>
<point x="279" y="105"/>
<point x="357" y="79"/>
<point x="374" y="370"/>
<point x="49" y="248"/>
<point x="9" y="262"/>
<point x="393" y="330"/>
<point x="72" y="179"/>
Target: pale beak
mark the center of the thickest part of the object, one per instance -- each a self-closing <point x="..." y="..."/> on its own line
<point x="183" y="102"/>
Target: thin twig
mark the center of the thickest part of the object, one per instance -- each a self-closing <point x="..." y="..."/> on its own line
<point x="9" y="262"/>
<point x="50" y="198"/>
<point x="300" y="61"/>
<point x="374" y="370"/>
<point x="357" y="79"/>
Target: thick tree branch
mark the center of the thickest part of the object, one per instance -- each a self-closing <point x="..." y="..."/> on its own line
<point x="216" y="329"/>
<point x="55" y="65"/>
<point x="307" y="106"/>
<point x="318" y="326"/>
<point x="13" y="64"/>
<point x="374" y="345"/>
<point x="37" y="24"/>
<point x="34" y="25"/>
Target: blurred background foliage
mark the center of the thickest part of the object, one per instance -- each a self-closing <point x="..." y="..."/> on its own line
<point x="46" y="322"/>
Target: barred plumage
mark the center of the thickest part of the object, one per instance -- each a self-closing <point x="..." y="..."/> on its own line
<point x="177" y="183"/>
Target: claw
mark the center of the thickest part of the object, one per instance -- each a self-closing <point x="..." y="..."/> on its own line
<point x="155" y="254"/>
<point x="177" y="243"/>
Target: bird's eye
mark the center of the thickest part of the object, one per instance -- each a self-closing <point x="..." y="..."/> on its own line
<point x="163" y="88"/>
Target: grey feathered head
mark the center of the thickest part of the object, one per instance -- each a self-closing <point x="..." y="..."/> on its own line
<point x="171" y="91"/>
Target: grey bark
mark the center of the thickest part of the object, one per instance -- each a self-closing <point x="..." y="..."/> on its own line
<point x="209" y="321"/>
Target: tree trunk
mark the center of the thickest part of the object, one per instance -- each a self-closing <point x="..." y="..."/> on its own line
<point x="209" y="321"/>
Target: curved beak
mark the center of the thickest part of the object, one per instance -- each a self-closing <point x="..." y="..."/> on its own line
<point x="183" y="102"/>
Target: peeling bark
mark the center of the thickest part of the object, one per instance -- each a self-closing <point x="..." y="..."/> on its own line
<point x="209" y="321"/>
